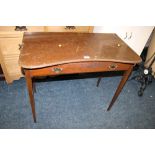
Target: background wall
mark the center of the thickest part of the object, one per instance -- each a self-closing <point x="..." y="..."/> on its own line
<point x="135" y="36"/>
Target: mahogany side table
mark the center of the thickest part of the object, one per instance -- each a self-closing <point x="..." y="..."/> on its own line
<point x="58" y="53"/>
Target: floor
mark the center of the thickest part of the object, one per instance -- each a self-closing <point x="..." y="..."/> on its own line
<point x="76" y="103"/>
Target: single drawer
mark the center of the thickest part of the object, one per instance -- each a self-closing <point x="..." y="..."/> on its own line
<point x="80" y="67"/>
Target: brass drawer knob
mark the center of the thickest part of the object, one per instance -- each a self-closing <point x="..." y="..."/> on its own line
<point x="113" y="66"/>
<point x="57" y="70"/>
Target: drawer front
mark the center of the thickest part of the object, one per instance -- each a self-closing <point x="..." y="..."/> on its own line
<point x="68" y="28"/>
<point x="13" y="69"/>
<point x="11" y="63"/>
<point x="29" y="28"/>
<point x="6" y="29"/>
<point x="83" y="67"/>
<point x="10" y="45"/>
<point x="35" y="28"/>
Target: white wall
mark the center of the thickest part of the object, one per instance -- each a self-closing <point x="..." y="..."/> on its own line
<point x="135" y="36"/>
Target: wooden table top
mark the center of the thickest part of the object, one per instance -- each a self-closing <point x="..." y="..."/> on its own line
<point x="43" y="49"/>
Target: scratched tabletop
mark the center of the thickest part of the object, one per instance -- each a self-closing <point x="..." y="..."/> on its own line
<point x="43" y="49"/>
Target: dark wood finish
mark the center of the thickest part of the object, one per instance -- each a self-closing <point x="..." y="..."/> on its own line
<point x="48" y="49"/>
<point x="79" y="67"/>
<point x="121" y="85"/>
<point x="52" y="54"/>
<point x="31" y="93"/>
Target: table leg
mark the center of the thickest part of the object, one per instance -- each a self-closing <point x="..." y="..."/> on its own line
<point x="31" y="93"/>
<point x="121" y="85"/>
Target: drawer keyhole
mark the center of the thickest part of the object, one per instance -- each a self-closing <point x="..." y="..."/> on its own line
<point x="112" y="66"/>
<point x="57" y="70"/>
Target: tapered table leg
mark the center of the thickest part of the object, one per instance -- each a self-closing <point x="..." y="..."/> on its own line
<point x="31" y="93"/>
<point x="121" y="85"/>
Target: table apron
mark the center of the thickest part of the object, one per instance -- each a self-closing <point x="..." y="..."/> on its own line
<point x="80" y="67"/>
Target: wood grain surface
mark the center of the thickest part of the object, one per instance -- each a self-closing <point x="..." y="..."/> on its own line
<point x="43" y="49"/>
